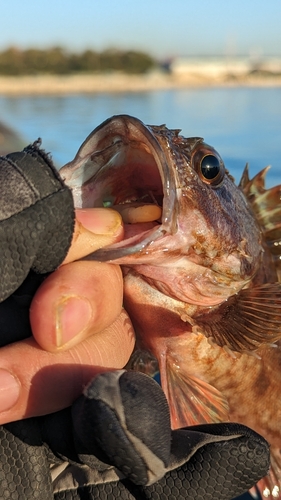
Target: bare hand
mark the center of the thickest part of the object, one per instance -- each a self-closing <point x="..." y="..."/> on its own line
<point x="78" y="324"/>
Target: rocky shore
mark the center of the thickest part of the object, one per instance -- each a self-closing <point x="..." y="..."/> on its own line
<point x="118" y="82"/>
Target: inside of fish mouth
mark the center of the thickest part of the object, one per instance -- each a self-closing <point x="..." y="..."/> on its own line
<point x="130" y="182"/>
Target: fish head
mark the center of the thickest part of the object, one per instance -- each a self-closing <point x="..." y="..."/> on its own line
<point x="207" y="244"/>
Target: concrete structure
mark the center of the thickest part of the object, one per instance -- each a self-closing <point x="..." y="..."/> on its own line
<point x="222" y="67"/>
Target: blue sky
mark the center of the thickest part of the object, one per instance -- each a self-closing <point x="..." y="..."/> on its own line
<point x="163" y="28"/>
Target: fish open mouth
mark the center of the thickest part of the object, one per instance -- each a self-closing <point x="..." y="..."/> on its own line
<point x="121" y="165"/>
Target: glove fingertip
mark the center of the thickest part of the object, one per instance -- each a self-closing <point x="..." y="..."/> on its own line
<point x="125" y="417"/>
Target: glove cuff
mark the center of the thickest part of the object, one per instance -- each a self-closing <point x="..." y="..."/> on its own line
<point x="36" y="214"/>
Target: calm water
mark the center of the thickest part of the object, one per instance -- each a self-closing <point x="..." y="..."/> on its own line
<point x="243" y="124"/>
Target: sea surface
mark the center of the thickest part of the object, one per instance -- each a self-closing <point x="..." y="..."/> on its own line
<point x="243" y="124"/>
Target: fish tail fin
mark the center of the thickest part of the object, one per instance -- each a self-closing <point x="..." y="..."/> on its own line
<point x="192" y="401"/>
<point x="269" y="487"/>
<point x="254" y="493"/>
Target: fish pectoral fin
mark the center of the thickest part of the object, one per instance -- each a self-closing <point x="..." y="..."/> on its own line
<point x="247" y="320"/>
<point x="192" y="401"/>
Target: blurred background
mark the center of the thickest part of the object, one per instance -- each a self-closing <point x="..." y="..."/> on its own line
<point x="212" y="69"/>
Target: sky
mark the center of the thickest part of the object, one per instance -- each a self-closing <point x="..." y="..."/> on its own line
<point x="163" y="28"/>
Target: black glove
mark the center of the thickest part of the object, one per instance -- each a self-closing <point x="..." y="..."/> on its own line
<point x="36" y="214"/>
<point x="36" y="227"/>
<point x="116" y="442"/>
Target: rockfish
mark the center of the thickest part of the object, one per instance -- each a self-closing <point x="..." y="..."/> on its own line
<point x="202" y="263"/>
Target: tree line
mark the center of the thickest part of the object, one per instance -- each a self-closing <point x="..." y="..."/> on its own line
<point x="56" y="60"/>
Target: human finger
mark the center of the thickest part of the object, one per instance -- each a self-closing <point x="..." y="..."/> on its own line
<point x="78" y="300"/>
<point x="36" y="382"/>
<point x="94" y="228"/>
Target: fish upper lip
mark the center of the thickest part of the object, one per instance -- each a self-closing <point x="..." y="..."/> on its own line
<point x="102" y="154"/>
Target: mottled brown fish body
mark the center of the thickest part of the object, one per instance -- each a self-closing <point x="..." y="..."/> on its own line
<point x="201" y="285"/>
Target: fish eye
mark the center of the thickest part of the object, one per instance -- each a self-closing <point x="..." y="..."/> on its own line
<point x="209" y="166"/>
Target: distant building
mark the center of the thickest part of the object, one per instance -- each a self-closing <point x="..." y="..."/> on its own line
<point x="271" y="65"/>
<point x="222" y="67"/>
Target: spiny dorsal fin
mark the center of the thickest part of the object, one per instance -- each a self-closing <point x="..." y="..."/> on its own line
<point x="266" y="204"/>
<point x="255" y="186"/>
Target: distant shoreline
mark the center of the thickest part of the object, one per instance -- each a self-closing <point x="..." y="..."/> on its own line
<point x="118" y="82"/>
